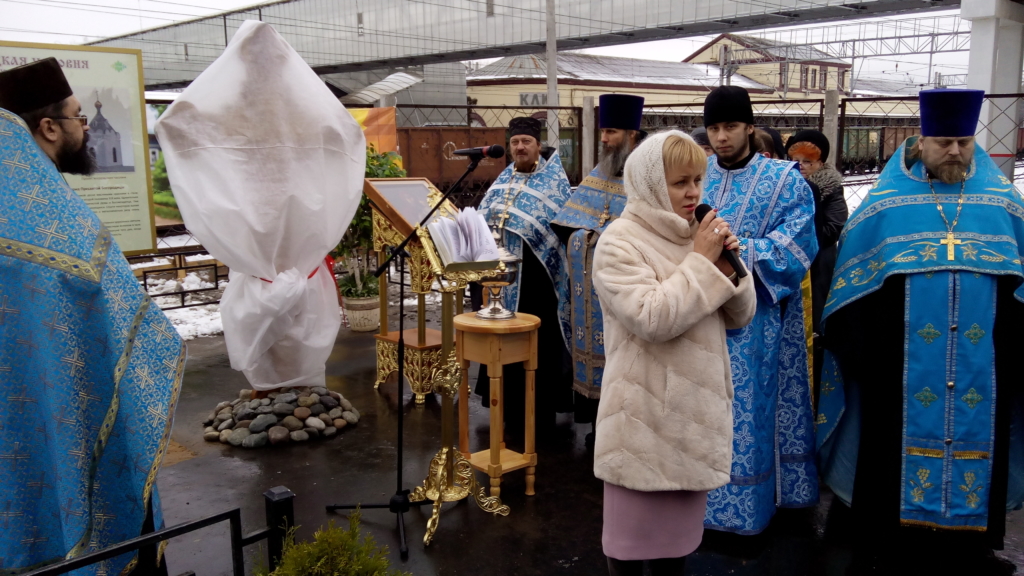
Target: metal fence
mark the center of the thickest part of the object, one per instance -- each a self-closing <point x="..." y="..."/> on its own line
<point x="280" y="514"/>
<point x="871" y="130"/>
<point x="786" y="116"/>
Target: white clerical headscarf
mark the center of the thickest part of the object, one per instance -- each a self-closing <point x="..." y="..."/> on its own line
<point x="267" y="169"/>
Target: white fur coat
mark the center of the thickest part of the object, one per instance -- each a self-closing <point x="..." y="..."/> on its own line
<point x="665" y="417"/>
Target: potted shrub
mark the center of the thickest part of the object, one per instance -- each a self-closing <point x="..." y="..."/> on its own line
<point x="360" y="290"/>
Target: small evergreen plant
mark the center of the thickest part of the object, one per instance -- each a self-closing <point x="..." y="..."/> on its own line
<point x="334" y="552"/>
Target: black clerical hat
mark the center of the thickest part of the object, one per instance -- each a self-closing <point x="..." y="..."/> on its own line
<point x="728" y="104"/>
<point x="33" y="86"/>
<point x="622" y="111"/>
<point x="524" y="125"/>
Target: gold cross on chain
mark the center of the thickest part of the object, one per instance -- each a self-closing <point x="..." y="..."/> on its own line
<point x="950" y="243"/>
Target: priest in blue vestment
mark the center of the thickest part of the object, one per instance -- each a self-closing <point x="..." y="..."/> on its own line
<point x="519" y="206"/>
<point x="595" y="203"/>
<point x="770" y="207"/>
<point x="90" y="368"/>
<point x="920" y="413"/>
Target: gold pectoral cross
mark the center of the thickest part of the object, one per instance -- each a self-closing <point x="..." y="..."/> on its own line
<point x="950" y="243"/>
<point x="502" y="219"/>
<point x="604" y="217"/>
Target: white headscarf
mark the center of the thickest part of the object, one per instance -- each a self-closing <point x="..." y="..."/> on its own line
<point x="647" y="189"/>
<point x="267" y="169"/>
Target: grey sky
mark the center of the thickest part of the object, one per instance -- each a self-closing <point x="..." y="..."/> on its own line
<point x="78" y="21"/>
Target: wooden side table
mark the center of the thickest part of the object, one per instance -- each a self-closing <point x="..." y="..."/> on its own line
<point x="496" y="343"/>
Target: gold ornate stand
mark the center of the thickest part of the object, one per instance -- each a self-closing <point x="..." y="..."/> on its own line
<point x="450" y="477"/>
<point x="431" y="363"/>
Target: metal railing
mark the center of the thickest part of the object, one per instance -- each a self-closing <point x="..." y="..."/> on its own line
<point x="871" y="130"/>
<point x="279" y="505"/>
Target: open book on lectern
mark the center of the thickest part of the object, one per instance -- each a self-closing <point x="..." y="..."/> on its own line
<point x="458" y="236"/>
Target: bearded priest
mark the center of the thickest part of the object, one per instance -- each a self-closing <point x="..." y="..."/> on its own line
<point x="920" y="413"/>
<point x="597" y="201"/>
<point x="519" y="207"/>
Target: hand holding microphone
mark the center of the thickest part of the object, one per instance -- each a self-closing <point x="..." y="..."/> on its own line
<point x="715" y="239"/>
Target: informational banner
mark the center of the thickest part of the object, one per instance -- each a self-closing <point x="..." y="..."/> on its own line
<point x="108" y="83"/>
<point x="379" y="126"/>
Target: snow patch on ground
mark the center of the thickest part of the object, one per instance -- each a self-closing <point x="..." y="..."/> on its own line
<point x="196" y="322"/>
<point x="152" y="263"/>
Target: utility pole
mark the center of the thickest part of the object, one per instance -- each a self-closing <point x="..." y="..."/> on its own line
<point x="552" y="64"/>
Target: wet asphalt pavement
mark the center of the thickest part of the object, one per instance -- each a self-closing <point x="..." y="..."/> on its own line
<point x="558" y="531"/>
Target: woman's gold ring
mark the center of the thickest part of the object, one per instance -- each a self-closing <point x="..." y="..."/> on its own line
<point x="716" y="231"/>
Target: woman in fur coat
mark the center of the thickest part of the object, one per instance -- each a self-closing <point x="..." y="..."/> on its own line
<point x="664" y="423"/>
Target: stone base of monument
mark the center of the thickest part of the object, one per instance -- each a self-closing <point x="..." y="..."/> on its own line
<point x="284" y="416"/>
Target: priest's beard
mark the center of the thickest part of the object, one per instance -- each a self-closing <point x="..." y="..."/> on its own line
<point x="613" y="158"/>
<point x="76" y="161"/>
<point x="950" y="172"/>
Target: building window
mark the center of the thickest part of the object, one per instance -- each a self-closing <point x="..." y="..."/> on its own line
<point x="490" y="7"/>
<point x="113" y="151"/>
<point x="824" y="78"/>
<point x="359" y="21"/>
<point x="784" y="75"/>
<point x="803" y="77"/>
<point x="814" y="79"/>
<point x="841" y="80"/>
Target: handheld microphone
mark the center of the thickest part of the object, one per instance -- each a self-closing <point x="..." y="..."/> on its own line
<point x="700" y="212"/>
<point x="492" y="151"/>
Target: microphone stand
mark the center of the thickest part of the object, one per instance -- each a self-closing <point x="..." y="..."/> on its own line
<point x="399" y="503"/>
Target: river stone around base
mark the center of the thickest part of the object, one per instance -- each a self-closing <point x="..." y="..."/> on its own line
<point x="262" y="422"/>
<point x="282" y="409"/>
<point x="292" y="423"/>
<point x="255" y="440"/>
<point x="236" y="436"/>
<point x="284" y="415"/>
<point x="278" y="435"/>
<point x="245" y="394"/>
<point x="246" y="414"/>
<point x="286" y="398"/>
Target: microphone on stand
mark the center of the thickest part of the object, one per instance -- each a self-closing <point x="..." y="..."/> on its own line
<point x="492" y="151"/>
<point x="730" y="256"/>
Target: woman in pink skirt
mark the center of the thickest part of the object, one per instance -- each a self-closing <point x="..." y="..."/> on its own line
<point x="664" y="424"/>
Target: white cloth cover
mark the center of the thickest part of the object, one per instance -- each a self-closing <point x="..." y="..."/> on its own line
<point x="267" y="169"/>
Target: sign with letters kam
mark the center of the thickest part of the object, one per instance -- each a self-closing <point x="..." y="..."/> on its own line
<point x="108" y="83"/>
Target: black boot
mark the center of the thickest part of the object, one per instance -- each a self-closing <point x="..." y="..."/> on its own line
<point x="668" y="566"/>
<point x="625" y="567"/>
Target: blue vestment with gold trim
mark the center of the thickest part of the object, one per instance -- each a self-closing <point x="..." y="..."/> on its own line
<point x="90" y="370"/>
<point x="597" y="201"/>
<point x="534" y="199"/>
<point x="770" y="207"/>
<point x="949" y="390"/>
